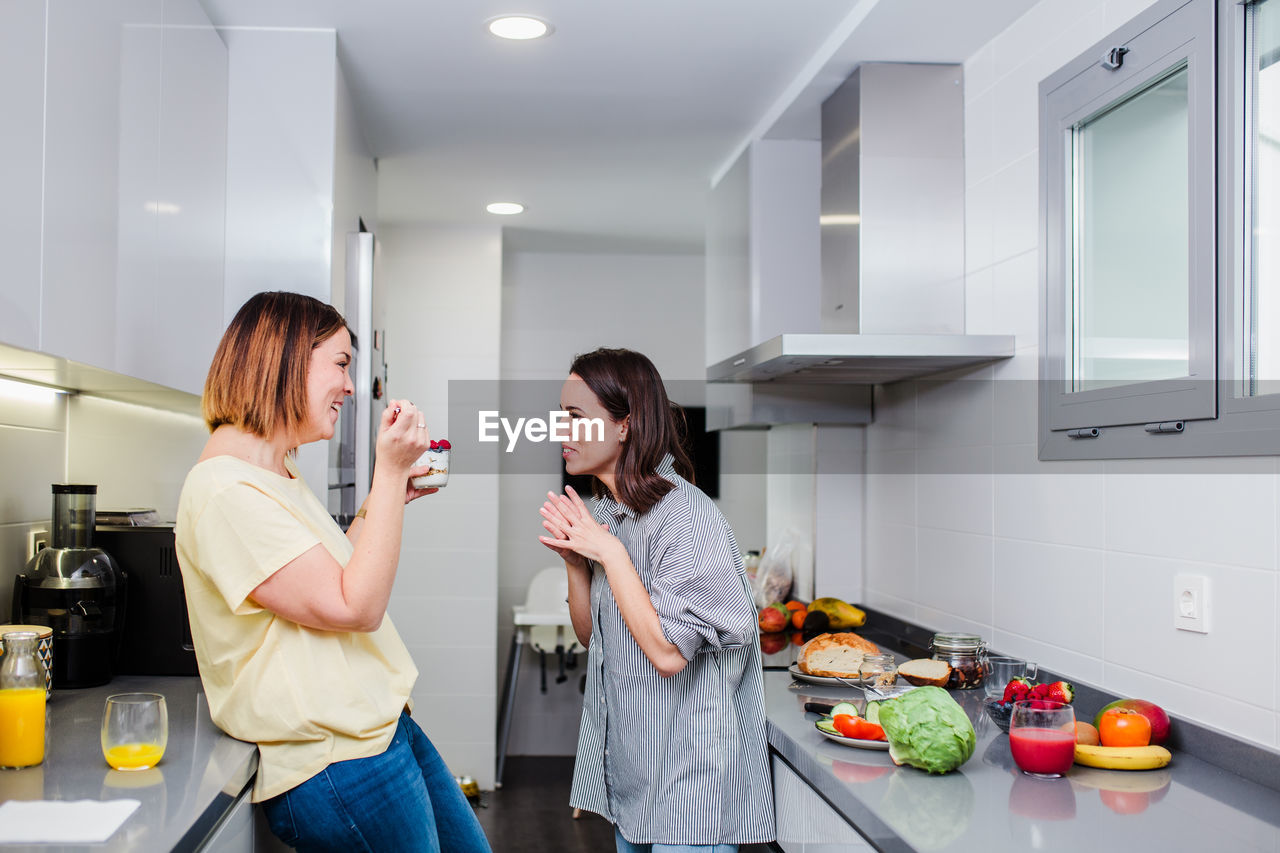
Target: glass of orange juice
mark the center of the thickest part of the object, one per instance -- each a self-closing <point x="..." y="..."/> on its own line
<point x="135" y="730"/>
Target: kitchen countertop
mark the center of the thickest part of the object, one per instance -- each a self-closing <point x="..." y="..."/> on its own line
<point x="988" y="805"/>
<point x="202" y="773"/>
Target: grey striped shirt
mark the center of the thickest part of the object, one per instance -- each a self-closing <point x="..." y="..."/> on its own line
<point x="679" y="760"/>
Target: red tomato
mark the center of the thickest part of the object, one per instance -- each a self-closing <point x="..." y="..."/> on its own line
<point x="868" y="730"/>
<point x="846" y="724"/>
<point x="1123" y="727"/>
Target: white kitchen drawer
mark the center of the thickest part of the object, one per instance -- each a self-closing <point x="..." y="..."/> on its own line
<point x="806" y="823"/>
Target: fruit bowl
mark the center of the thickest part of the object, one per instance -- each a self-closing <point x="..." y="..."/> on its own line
<point x="1000" y="713"/>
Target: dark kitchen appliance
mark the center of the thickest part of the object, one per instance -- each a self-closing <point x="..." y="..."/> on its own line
<point x="77" y="589"/>
<point x="157" y="633"/>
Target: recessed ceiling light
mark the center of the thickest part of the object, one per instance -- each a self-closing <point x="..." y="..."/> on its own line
<point x="505" y="208"/>
<point x="520" y="27"/>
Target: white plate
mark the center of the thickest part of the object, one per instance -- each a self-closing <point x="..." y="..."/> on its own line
<point x="794" y="669"/>
<point x="857" y="743"/>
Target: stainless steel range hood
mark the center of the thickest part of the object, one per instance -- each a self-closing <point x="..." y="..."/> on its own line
<point x="892" y="301"/>
<point x="817" y="359"/>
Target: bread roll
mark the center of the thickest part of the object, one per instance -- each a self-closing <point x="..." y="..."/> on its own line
<point x="835" y="655"/>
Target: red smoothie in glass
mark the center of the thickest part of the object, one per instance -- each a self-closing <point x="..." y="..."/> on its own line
<point x="1044" y="751"/>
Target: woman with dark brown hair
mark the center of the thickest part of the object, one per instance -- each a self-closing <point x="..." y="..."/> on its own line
<point x="672" y="742"/>
<point x="288" y="614"/>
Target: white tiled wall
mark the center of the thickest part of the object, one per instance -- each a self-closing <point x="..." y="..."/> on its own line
<point x="1071" y="564"/>
<point x="446" y="588"/>
<point x="556" y="305"/>
<point x="138" y="457"/>
<point x="789" y="509"/>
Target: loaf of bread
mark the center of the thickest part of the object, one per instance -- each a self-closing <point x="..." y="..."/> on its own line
<point x="835" y="655"/>
<point x="924" y="672"/>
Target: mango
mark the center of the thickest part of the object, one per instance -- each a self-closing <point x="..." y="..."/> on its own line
<point x="842" y="614"/>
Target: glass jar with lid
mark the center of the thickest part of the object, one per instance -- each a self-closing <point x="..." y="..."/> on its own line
<point x="967" y="655"/>
<point x="878" y="670"/>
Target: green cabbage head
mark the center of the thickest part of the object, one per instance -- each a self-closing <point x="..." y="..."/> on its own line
<point x="926" y="728"/>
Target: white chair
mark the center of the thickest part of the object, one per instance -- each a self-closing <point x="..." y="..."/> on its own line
<point x="542" y="622"/>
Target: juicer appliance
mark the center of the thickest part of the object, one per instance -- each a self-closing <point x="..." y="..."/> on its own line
<point x="77" y="589"/>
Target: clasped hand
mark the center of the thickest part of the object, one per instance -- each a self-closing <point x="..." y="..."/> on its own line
<point x="575" y="534"/>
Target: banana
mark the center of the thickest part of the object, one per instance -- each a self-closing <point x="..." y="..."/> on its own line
<point x="1122" y="757"/>
<point x="841" y="614"/>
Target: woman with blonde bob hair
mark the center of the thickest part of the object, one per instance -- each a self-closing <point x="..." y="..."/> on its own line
<point x="288" y="613"/>
<point x="671" y="748"/>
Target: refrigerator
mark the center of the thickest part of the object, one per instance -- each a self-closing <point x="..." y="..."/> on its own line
<point x="351" y="455"/>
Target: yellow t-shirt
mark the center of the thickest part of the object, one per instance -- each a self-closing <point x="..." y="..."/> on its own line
<point x="308" y="698"/>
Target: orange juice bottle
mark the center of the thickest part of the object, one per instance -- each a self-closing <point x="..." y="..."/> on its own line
<point x="22" y="699"/>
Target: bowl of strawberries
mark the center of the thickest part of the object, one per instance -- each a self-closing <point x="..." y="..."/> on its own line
<point x="1001" y="710"/>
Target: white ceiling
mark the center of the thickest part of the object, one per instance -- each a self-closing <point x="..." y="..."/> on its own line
<point x="612" y="130"/>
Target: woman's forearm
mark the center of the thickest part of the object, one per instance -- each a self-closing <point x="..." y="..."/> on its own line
<point x="316" y="590"/>
<point x="370" y="573"/>
<point x="354" y="528"/>
<point x="580" y="602"/>
<point x="639" y="614"/>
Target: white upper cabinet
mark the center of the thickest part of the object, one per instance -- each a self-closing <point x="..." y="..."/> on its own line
<point x="101" y="113"/>
<point x="22" y="104"/>
<point x="114" y="164"/>
<point x="189" y="211"/>
<point x="136" y="196"/>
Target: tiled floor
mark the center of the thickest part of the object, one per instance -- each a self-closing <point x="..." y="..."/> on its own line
<point x="531" y="814"/>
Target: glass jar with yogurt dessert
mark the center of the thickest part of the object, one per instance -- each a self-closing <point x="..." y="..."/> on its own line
<point x="437" y="458"/>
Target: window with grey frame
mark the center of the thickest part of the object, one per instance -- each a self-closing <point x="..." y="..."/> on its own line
<point x="1160" y="334"/>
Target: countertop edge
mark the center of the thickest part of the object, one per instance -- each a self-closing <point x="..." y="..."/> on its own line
<point x="212" y="817"/>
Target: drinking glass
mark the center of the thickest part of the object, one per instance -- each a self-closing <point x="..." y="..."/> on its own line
<point x="1042" y="737"/>
<point x="135" y="730"/>
<point x="1002" y="670"/>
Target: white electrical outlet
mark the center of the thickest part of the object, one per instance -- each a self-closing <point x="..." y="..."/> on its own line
<point x="37" y="540"/>
<point x="1191" y="603"/>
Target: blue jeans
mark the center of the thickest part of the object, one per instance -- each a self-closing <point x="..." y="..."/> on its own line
<point x="402" y="800"/>
<point x="625" y="846"/>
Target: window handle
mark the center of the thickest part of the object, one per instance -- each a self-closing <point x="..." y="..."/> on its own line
<point x="1084" y="432"/>
<point x="1114" y="58"/>
<point x="1166" y="426"/>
